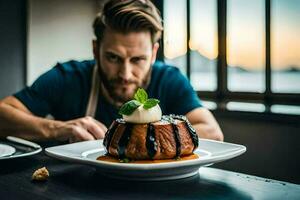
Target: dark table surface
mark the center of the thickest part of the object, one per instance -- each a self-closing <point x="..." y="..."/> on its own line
<point x="74" y="181"/>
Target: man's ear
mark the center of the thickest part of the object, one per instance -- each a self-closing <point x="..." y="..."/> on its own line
<point x="154" y="52"/>
<point x="95" y="49"/>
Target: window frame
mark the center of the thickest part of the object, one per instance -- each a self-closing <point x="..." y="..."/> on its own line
<point x="222" y="95"/>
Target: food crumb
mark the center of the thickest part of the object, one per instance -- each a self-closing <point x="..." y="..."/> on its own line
<point x="41" y="174"/>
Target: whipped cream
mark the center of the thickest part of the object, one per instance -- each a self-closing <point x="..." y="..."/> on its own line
<point x="143" y="116"/>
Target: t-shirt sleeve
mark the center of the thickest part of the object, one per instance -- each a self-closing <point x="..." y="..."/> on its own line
<point x="181" y="97"/>
<point x="44" y="94"/>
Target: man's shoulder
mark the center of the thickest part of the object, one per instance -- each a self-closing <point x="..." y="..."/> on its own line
<point x="165" y="77"/>
<point x="161" y="69"/>
<point x="169" y="84"/>
<point x="162" y="66"/>
<point x="75" y="66"/>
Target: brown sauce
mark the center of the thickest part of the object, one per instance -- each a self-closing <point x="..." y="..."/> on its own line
<point x="116" y="160"/>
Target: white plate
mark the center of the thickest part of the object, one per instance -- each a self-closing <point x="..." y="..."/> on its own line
<point x="6" y="150"/>
<point x="17" y="151"/>
<point x="209" y="151"/>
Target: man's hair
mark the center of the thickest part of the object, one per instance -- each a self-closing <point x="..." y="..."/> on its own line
<point x="127" y="16"/>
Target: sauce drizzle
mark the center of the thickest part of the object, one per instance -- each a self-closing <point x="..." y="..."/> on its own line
<point x="193" y="134"/>
<point x="108" y="158"/>
<point x="122" y="144"/>
<point x="109" y="134"/>
<point x="151" y="144"/>
<point x="177" y="139"/>
<point x="191" y="130"/>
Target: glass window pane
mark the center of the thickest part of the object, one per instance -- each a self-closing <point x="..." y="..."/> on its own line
<point x="248" y="107"/>
<point x="246" y="45"/>
<point x="203" y="44"/>
<point x="285" y="46"/>
<point x="209" y="104"/>
<point x="175" y="34"/>
<point x="286" y="109"/>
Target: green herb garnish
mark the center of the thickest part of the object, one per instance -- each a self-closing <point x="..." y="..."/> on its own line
<point x="129" y="107"/>
<point x="141" y="95"/>
<point x="140" y="98"/>
<point x="150" y="103"/>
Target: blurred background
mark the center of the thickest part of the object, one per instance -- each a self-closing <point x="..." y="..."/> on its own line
<point x="241" y="56"/>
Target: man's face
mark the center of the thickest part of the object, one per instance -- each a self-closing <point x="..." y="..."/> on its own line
<point x="124" y="62"/>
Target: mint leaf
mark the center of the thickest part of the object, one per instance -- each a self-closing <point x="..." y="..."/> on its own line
<point x="129" y="107"/>
<point x="140" y="98"/>
<point x="141" y="95"/>
<point x="150" y="103"/>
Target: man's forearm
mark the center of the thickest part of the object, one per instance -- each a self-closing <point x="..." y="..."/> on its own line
<point x="208" y="132"/>
<point x="18" y="123"/>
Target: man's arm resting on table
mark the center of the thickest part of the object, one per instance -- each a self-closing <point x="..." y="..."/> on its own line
<point x="205" y="124"/>
<point x="17" y="120"/>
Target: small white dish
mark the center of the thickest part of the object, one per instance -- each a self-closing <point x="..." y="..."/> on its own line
<point x="18" y="147"/>
<point x="87" y="152"/>
<point x="6" y="150"/>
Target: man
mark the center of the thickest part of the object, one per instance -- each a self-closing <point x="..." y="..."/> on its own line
<point x="125" y="50"/>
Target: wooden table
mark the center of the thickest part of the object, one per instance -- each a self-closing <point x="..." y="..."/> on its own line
<point x="74" y="181"/>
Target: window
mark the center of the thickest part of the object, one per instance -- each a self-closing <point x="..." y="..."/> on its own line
<point x="240" y="51"/>
<point x="175" y="34"/>
<point x="203" y="44"/>
<point x="246" y="45"/>
<point x="285" y="48"/>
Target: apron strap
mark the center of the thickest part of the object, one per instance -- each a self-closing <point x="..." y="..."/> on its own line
<point x="94" y="94"/>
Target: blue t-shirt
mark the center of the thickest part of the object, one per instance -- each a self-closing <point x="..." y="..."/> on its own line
<point x="64" y="91"/>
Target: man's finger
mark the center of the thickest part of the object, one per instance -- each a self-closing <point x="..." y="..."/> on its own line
<point x="96" y="130"/>
<point x="80" y="134"/>
<point x="104" y="128"/>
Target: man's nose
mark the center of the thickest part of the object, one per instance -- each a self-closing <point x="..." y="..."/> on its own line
<point x="125" y="71"/>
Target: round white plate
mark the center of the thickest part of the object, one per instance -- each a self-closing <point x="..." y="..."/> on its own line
<point x="11" y="152"/>
<point x="6" y="150"/>
<point x="209" y="151"/>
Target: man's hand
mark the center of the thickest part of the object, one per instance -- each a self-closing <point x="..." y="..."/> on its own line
<point x="17" y="120"/>
<point x="86" y="128"/>
<point x="205" y="124"/>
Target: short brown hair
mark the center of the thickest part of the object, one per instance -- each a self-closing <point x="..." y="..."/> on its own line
<point x="129" y="16"/>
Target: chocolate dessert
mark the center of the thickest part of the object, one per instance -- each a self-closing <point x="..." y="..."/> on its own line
<point x="161" y="137"/>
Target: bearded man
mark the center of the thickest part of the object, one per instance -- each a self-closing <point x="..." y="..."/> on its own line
<point x="84" y="97"/>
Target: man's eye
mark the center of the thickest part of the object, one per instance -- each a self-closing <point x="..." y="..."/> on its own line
<point x="137" y="60"/>
<point x="113" y="58"/>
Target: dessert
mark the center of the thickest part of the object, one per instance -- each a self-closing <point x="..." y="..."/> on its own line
<point x="144" y="134"/>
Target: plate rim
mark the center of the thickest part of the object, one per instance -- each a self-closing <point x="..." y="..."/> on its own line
<point x="50" y="151"/>
<point x="36" y="151"/>
<point x="11" y="149"/>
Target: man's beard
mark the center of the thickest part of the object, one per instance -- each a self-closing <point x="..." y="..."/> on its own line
<point x="112" y="84"/>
